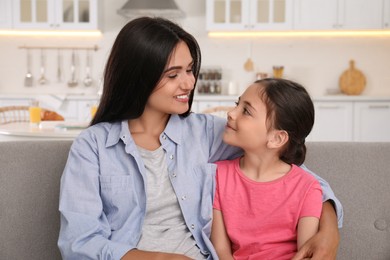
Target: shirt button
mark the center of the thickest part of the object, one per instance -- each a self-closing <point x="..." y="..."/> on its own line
<point x="174" y="175"/>
<point x="184" y="197"/>
<point x="164" y="137"/>
<point x="124" y="137"/>
<point x="171" y="157"/>
<point x="192" y="226"/>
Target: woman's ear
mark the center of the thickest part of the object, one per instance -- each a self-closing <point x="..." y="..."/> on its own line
<point x="277" y="139"/>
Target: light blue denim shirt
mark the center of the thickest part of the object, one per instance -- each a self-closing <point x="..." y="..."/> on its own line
<point x="103" y="198"/>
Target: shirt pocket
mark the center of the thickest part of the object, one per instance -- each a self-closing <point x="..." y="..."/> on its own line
<point x="205" y="178"/>
<point x="119" y="197"/>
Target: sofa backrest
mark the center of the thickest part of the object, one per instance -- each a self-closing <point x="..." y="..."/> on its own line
<point x="30" y="172"/>
<point x="29" y="187"/>
<point x="359" y="174"/>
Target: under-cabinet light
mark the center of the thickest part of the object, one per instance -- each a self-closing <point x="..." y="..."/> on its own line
<point x="378" y="33"/>
<point x="93" y="33"/>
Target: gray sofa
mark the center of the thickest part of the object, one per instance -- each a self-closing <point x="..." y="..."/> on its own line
<point x="30" y="175"/>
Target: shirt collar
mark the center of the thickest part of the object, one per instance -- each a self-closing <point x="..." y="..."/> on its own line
<point x="174" y="129"/>
<point x="120" y="130"/>
<point x="117" y="130"/>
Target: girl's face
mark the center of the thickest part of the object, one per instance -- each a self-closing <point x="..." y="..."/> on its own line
<point x="171" y="95"/>
<point x="247" y="122"/>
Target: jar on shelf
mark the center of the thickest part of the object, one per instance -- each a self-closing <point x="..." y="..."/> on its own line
<point x="210" y="81"/>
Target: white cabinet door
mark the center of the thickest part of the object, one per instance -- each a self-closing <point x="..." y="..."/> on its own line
<point x="76" y="14"/>
<point x="333" y="121"/>
<point x="386" y="14"/>
<point x="372" y="121"/>
<point x="338" y="14"/>
<point x="226" y="14"/>
<point x="316" y="14"/>
<point x="230" y="15"/>
<point x="55" y="14"/>
<point x="5" y="14"/>
<point x="271" y="14"/>
<point x="361" y="14"/>
<point x="33" y="14"/>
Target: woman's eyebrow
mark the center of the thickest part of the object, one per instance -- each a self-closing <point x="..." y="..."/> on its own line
<point x="178" y="67"/>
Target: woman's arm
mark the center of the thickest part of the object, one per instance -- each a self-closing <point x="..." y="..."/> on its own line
<point x="324" y="244"/>
<point x="139" y="255"/>
<point x="219" y="237"/>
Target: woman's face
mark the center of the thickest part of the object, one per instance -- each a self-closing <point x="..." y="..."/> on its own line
<point x="247" y="122"/>
<point x="172" y="93"/>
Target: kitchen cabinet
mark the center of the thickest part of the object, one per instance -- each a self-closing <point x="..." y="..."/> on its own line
<point x="372" y="121"/>
<point x="333" y="121"/>
<point x="248" y="15"/>
<point x="5" y="14"/>
<point x="54" y="14"/>
<point x="338" y="14"/>
<point x="386" y="14"/>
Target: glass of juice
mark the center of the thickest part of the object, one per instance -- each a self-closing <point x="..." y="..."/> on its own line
<point x="35" y="113"/>
<point x="93" y="110"/>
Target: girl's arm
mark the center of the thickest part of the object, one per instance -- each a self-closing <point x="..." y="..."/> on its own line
<point x="324" y="244"/>
<point x="307" y="227"/>
<point x="219" y="237"/>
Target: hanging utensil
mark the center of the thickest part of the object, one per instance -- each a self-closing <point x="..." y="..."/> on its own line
<point x="248" y="65"/>
<point x="59" y="65"/>
<point x="88" y="80"/>
<point x="42" y="79"/>
<point x="73" y="81"/>
<point x="28" y="79"/>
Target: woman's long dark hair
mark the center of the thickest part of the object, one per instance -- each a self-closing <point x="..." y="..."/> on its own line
<point x="135" y="66"/>
<point x="290" y="108"/>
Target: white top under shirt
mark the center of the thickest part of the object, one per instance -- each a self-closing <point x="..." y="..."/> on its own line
<point x="164" y="229"/>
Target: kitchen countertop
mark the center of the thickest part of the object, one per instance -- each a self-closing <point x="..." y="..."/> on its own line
<point x="58" y="130"/>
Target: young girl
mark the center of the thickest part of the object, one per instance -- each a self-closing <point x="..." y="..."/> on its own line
<point x="266" y="207"/>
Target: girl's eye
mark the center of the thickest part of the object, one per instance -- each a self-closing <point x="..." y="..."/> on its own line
<point x="246" y="112"/>
<point x="189" y="70"/>
<point x="236" y="103"/>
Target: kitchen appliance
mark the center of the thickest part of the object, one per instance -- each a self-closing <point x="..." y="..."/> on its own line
<point x="164" y="8"/>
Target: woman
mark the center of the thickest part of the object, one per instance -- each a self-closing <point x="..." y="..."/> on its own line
<point x="139" y="182"/>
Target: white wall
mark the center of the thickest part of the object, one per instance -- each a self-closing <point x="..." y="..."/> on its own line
<point x="315" y="62"/>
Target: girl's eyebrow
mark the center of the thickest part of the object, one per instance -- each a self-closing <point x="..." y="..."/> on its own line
<point x="249" y="104"/>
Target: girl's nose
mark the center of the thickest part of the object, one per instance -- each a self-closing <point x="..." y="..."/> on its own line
<point x="231" y="113"/>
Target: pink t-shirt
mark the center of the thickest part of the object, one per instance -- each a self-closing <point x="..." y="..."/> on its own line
<point x="261" y="218"/>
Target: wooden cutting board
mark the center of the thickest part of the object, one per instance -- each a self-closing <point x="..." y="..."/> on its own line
<point x="352" y="81"/>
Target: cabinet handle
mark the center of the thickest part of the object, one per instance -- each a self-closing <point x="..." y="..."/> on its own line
<point x="379" y="107"/>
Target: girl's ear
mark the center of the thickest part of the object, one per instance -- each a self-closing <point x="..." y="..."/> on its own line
<point x="277" y="139"/>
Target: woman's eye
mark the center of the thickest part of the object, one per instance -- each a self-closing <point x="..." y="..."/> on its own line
<point x="189" y="70"/>
<point x="172" y="76"/>
<point x="236" y="103"/>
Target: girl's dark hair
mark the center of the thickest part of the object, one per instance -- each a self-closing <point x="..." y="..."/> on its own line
<point x="135" y="66"/>
<point x="289" y="108"/>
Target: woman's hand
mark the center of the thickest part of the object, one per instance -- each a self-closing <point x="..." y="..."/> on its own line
<point x="139" y="255"/>
<point x="324" y="244"/>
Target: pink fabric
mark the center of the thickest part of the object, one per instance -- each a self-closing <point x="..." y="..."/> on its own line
<point x="261" y="217"/>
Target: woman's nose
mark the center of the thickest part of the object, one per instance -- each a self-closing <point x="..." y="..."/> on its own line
<point x="188" y="82"/>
